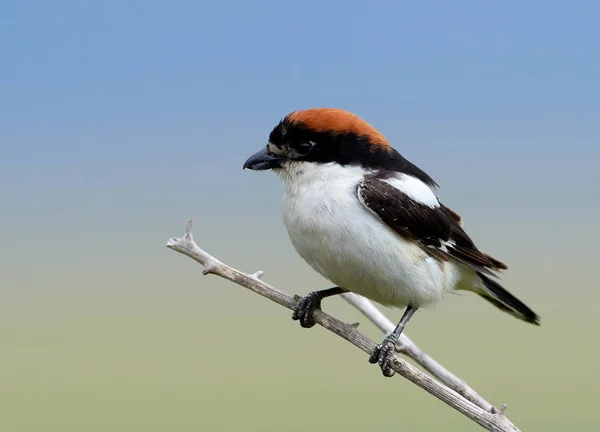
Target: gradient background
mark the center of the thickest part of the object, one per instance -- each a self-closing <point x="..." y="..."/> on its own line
<point x="120" y="120"/>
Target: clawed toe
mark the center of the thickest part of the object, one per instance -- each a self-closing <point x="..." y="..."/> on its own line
<point x="303" y="311"/>
<point x="383" y="355"/>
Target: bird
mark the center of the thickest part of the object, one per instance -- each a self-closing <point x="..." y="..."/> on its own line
<point x="370" y="221"/>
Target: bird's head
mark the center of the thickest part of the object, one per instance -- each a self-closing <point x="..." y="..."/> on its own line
<point x="319" y="135"/>
<point x="325" y="136"/>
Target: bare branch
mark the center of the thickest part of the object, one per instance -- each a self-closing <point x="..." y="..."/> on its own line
<point x="407" y="347"/>
<point x="491" y="420"/>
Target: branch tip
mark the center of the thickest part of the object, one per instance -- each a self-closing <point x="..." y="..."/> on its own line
<point x="172" y="242"/>
<point x="210" y="268"/>
<point x="258" y="274"/>
<point x="190" y="226"/>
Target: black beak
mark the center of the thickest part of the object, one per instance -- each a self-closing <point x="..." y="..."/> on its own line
<point x="262" y="160"/>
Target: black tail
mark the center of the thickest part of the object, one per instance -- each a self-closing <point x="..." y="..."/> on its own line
<point x="503" y="300"/>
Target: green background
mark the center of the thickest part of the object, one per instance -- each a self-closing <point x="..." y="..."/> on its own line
<point x="110" y="330"/>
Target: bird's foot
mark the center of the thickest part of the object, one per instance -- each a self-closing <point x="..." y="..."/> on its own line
<point x="303" y="311"/>
<point x="383" y="354"/>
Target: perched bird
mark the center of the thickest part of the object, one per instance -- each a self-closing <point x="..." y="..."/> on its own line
<point x="369" y="220"/>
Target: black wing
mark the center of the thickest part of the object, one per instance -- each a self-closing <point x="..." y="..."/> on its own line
<point x="436" y="230"/>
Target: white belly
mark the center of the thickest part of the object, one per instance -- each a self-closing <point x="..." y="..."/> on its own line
<point x="344" y="242"/>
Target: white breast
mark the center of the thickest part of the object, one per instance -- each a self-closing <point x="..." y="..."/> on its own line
<point x="347" y="244"/>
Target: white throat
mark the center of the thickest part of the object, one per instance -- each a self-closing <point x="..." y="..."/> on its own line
<point x="315" y="178"/>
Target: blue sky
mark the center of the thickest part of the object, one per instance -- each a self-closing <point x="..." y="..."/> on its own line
<point x="111" y="96"/>
<point x="80" y="70"/>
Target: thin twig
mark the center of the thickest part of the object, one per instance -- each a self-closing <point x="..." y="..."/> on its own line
<point x="491" y="421"/>
<point x="407" y="347"/>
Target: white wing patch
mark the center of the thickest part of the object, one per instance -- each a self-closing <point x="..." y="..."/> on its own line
<point x="444" y="245"/>
<point x="415" y="189"/>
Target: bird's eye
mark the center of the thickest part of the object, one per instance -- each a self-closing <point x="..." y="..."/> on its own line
<point x="304" y="148"/>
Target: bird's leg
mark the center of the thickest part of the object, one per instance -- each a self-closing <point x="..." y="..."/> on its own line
<point x="303" y="311"/>
<point x="384" y="352"/>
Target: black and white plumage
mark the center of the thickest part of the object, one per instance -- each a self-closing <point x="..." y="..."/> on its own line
<point x="368" y="220"/>
<point x="420" y="217"/>
<point x="437" y="230"/>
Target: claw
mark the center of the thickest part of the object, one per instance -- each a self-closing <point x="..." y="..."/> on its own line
<point x="383" y="354"/>
<point x="303" y="311"/>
